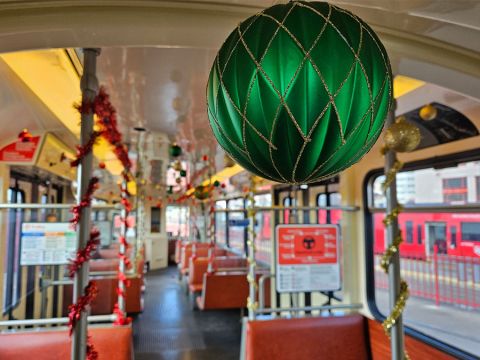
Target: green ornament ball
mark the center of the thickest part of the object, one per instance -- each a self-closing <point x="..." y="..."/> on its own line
<point x="201" y="192"/>
<point x="175" y="150"/>
<point x="299" y="92"/>
<point x="183" y="173"/>
<point x="216" y="183"/>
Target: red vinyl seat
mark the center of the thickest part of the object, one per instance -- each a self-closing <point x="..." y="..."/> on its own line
<point x="111" y="342"/>
<point x="198" y="267"/>
<point x="225" y="290"/>
<point x="103" y="265"/>
<point x="322" y="338"/>
<point x="199" y="252"/>
<point x="106" y="298"/>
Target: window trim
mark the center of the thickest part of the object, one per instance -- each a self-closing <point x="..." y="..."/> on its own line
<point x="435" y="162"/>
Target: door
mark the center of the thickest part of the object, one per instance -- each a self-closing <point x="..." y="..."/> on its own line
<point x="436" y="234"/>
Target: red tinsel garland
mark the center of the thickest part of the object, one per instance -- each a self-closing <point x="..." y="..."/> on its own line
<point x="85" y="254"/>
<point x="92" y="354"/>
<point x="75" y="310"/>
<point x="122" y="319"/>
<point x="107" y="122"/>
<point x="86" y="149"/>
<point x="86" y="201"/>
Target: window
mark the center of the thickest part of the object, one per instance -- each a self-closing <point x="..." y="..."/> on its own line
<point x="419" y="234"/>
<point x="236" y="227"/>
<point x="322" y="213"/>
<point x="263" y="229"/>
<point x="287" y="202"/>
<point x="470" y="231"/>
<point x="332" y="216"/>
<point x="221" y="222"/>
<point x="455" y="190"/>
<point x="409" y="232"/>
<point x="453" y="239"/>
<point x="441" y="265"/>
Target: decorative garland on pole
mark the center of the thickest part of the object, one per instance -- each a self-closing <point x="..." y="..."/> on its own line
<point x="400" y="136"/>
<point x="108" y="129"/>
<point x="392" y="249"/>
<point x="252" y="304"/>
<point x="125" y="263"/>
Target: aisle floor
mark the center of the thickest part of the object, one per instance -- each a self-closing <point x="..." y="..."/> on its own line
<point x="168" y="329"/>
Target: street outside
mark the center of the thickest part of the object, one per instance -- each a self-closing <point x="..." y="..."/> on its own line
<point x="453" y="325"/>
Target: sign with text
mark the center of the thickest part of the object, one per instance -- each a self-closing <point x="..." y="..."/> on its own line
<point x="20" y="152"/>
<point x="47" y="243"/>
<point x="307" y="258"/>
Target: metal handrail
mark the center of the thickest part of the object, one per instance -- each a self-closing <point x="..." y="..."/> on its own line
<point x="296" y="208"/>
<point x="435" y="209"/>
<point x="55" y="321"/>
<point x="54" y="206"/>
<point x="310" y="308"/>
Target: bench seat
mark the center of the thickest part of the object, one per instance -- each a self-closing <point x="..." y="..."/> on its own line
<point x="111" y="342"/>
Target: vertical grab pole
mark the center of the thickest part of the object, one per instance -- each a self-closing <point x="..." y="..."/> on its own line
<point x="397" y="337"/>
<point x="122" y="250"/>
<point x="140" y="198"/>
<point x="89" y="86"/>
<point x="252" y="284"/>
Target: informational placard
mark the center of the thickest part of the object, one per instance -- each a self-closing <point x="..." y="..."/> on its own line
<point x="307" y="258"/>
<point x="20" y="152"/>
<point x="47" y="243"/>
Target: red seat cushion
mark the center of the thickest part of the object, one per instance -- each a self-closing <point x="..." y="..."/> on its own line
<point x="326" y="338"/>
<point x="112" y="342"/>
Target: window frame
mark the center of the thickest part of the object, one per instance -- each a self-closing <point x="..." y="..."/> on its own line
<point x="436" y="162"/>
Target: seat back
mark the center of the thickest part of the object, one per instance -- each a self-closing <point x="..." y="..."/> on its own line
<point x="230" y="262"/>
<point x="224" y="290"/>
<point x="104" y="265"/>
<point x="106" y="298"/>
<point x="198" y="267"/>
<point x="111" y="342"/>
<point x="326" y="338"/>
<point x="112" y="253"/>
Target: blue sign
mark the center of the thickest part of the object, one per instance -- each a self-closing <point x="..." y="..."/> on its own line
<point x="238" y="222"/>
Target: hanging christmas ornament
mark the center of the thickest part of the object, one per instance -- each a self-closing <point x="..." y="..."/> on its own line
<point x="205" y="158"/>
<point x="216" y="183"/>
<point x="402" y="136"/>
<point x="175" y="150"/>
<point x="178" y="180"/>
<point x="201" y="192"/>
<point x="428" y="112"/>
<point x="228" y="161"/>
<point x="25" y="136"/>
<point x="177" y="165"/>
<point x="299" y="92"/>
<point x="101" y="165"/>
<point x="183" y="173"/>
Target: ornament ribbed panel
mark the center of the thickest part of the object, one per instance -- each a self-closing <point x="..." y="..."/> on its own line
<point x="299" y="92"/>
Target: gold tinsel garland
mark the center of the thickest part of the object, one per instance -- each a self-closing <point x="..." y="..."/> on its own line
<point x="392" y="249"/>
